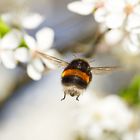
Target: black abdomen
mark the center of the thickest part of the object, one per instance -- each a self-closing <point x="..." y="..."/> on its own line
<point x="74" y="80"/>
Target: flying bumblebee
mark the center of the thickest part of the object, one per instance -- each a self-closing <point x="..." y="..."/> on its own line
<point x="77" y="74"/>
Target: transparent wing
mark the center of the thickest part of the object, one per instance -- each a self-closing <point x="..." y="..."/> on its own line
<point x="104" y="70"/>
<point x="52" y="59"/>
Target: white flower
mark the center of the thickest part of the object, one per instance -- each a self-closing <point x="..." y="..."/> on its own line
<point x="7" y="46"/>
<point x="115" y="115"/>
<point x="132" y="44"/>
<point x="112" y="13"/>
<point x="43" y="42"/>
<point x="118" y="13"/>
<point x="129" y="41"/>
<point x="22" y="19"/>
<point x="84" y="7"/>
<point x="99" y="116"/>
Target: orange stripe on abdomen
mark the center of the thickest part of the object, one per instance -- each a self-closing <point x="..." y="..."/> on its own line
<point x="75" y="72"/>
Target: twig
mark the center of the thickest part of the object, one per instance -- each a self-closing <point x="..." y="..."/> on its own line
<point x="94" y="43"/>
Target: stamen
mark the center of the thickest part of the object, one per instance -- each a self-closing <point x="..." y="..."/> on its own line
<point x="128" y="9"/>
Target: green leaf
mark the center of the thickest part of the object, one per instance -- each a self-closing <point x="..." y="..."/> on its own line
<point x="23" y="44"/>
<point x="4" y="28"/>
<point x="131" y="94"/>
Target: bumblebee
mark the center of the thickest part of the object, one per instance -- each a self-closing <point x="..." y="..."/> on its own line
<point x="77" y="74"/>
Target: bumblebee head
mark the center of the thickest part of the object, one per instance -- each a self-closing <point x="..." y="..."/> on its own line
<point x="80" y="64"/>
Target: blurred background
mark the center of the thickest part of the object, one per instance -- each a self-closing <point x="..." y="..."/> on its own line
<point x="108" y="109"/>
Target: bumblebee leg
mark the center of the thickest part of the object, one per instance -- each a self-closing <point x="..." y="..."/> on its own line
<point x="63" y="97"/>
<point x="77" y="98"/>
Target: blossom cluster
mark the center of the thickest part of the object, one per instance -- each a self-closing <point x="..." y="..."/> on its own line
<point x="17" y="46"/>
<point x="120" y="16"/>
<point x="106" y="118"/>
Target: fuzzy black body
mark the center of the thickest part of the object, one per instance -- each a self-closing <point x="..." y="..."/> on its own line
<point x="77" y="73"/>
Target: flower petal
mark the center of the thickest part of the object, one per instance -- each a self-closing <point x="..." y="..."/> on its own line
<point x="45" y="38"/>
<point x="115" y="6"/>
<point x="32" y="73"/>
<point x="132" y="2"/>
<point x="8" y="60"/>
<point x="133" y="22"/>
<point x="100" y="14"/>
<point x="130" y="47"/>
<point x="32" y="20"/>
<point x="137" y="9"/>
<point x="81" y="7"/>
<point x="7" y="17"/>
<point x="35" y="69"/>
<point x="22" y="55"/>
<point x="115" y="20"/>
<point x="114" y="36"/>
<point x="135" y="39"/>
<point x="135" y="30"/>
<point x="30" y="41"/>
<point x="38" y="65"/>
<point x="11" y="40"/>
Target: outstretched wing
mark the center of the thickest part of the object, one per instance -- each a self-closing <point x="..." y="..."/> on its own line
<point x="52" y="59"/>
<point x="104" y="70"/>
